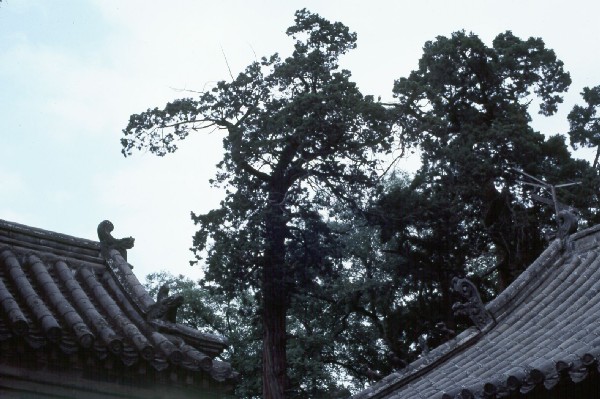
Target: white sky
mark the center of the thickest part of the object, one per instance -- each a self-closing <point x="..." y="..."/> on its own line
<point x="72" y="71"/>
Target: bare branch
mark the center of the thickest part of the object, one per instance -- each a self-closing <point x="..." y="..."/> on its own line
<point x="227" y="63"/>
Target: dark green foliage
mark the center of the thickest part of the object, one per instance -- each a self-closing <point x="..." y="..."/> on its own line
<point x="319" y="295"/>
<point x="299" y="136"/>
<point x="466" y="108"/>
<point x="208" y="310"/>
<point x="585" y="126"/>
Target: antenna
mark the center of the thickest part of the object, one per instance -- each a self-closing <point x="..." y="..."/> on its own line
<point x="548" y="187"/>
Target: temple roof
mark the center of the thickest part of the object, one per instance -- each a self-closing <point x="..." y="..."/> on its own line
<point x="69" y="298"/>
<point x="544" y="329"/>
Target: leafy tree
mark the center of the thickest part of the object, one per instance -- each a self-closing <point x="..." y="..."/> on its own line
<point x="289" y="263"/>
<point x="208" y="310"/>
<point x="314" y="362"/>
<point x="466" y="108"/>
<point x="298" y="135"/>
<point x="584" y="124"/>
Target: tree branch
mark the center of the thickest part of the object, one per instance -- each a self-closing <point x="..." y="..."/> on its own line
<point x="235" y="137"/>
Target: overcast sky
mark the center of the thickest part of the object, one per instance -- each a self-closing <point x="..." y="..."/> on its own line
<point x="72" y="71"/>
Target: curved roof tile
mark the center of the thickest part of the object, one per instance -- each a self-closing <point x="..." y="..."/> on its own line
<point x="547" y="330"/>
<point x="58" y="291"/>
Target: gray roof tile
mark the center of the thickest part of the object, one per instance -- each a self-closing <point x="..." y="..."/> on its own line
<point x="546" y="328"/>
<point x="57" y="291"/>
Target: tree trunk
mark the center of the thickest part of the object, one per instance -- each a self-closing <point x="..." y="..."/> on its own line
<point x="275" y="302"/>
<point x="274" y="376"/>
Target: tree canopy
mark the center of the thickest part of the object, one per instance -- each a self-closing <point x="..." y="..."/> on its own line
<point x="326" y="272"/>
<point x="584" y="124"/>
<point x="467" y="110"/>
<point x="298" y="135"/>
<point x="466" y="212"/>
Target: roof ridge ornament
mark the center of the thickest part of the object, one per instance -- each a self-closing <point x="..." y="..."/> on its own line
<point x="108" y="242"/>
<point x="473" y="307"/>
<point x="166" y="305"/>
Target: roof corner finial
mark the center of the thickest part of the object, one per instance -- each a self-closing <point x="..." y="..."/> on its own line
<point x="108" y="242"/>
<point x="166" y="306"/>
<point x="473" y="307"/>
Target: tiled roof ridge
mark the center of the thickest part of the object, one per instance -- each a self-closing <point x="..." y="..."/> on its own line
<point x="514" y="293"/>
<point x="422" y="365"/>
<point x="500" y="307"/>
<point x="131" y="286"/>
<point x="56" y="288"/>
<point x="44" y="241"/>
<point x="49" y="235"/>
<point x="527" y="280"/>
<point x="195" y="344"/>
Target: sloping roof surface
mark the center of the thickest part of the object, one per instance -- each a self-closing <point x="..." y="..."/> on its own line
<point x="547" y="328"/>
<point x="59" y="295"/>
